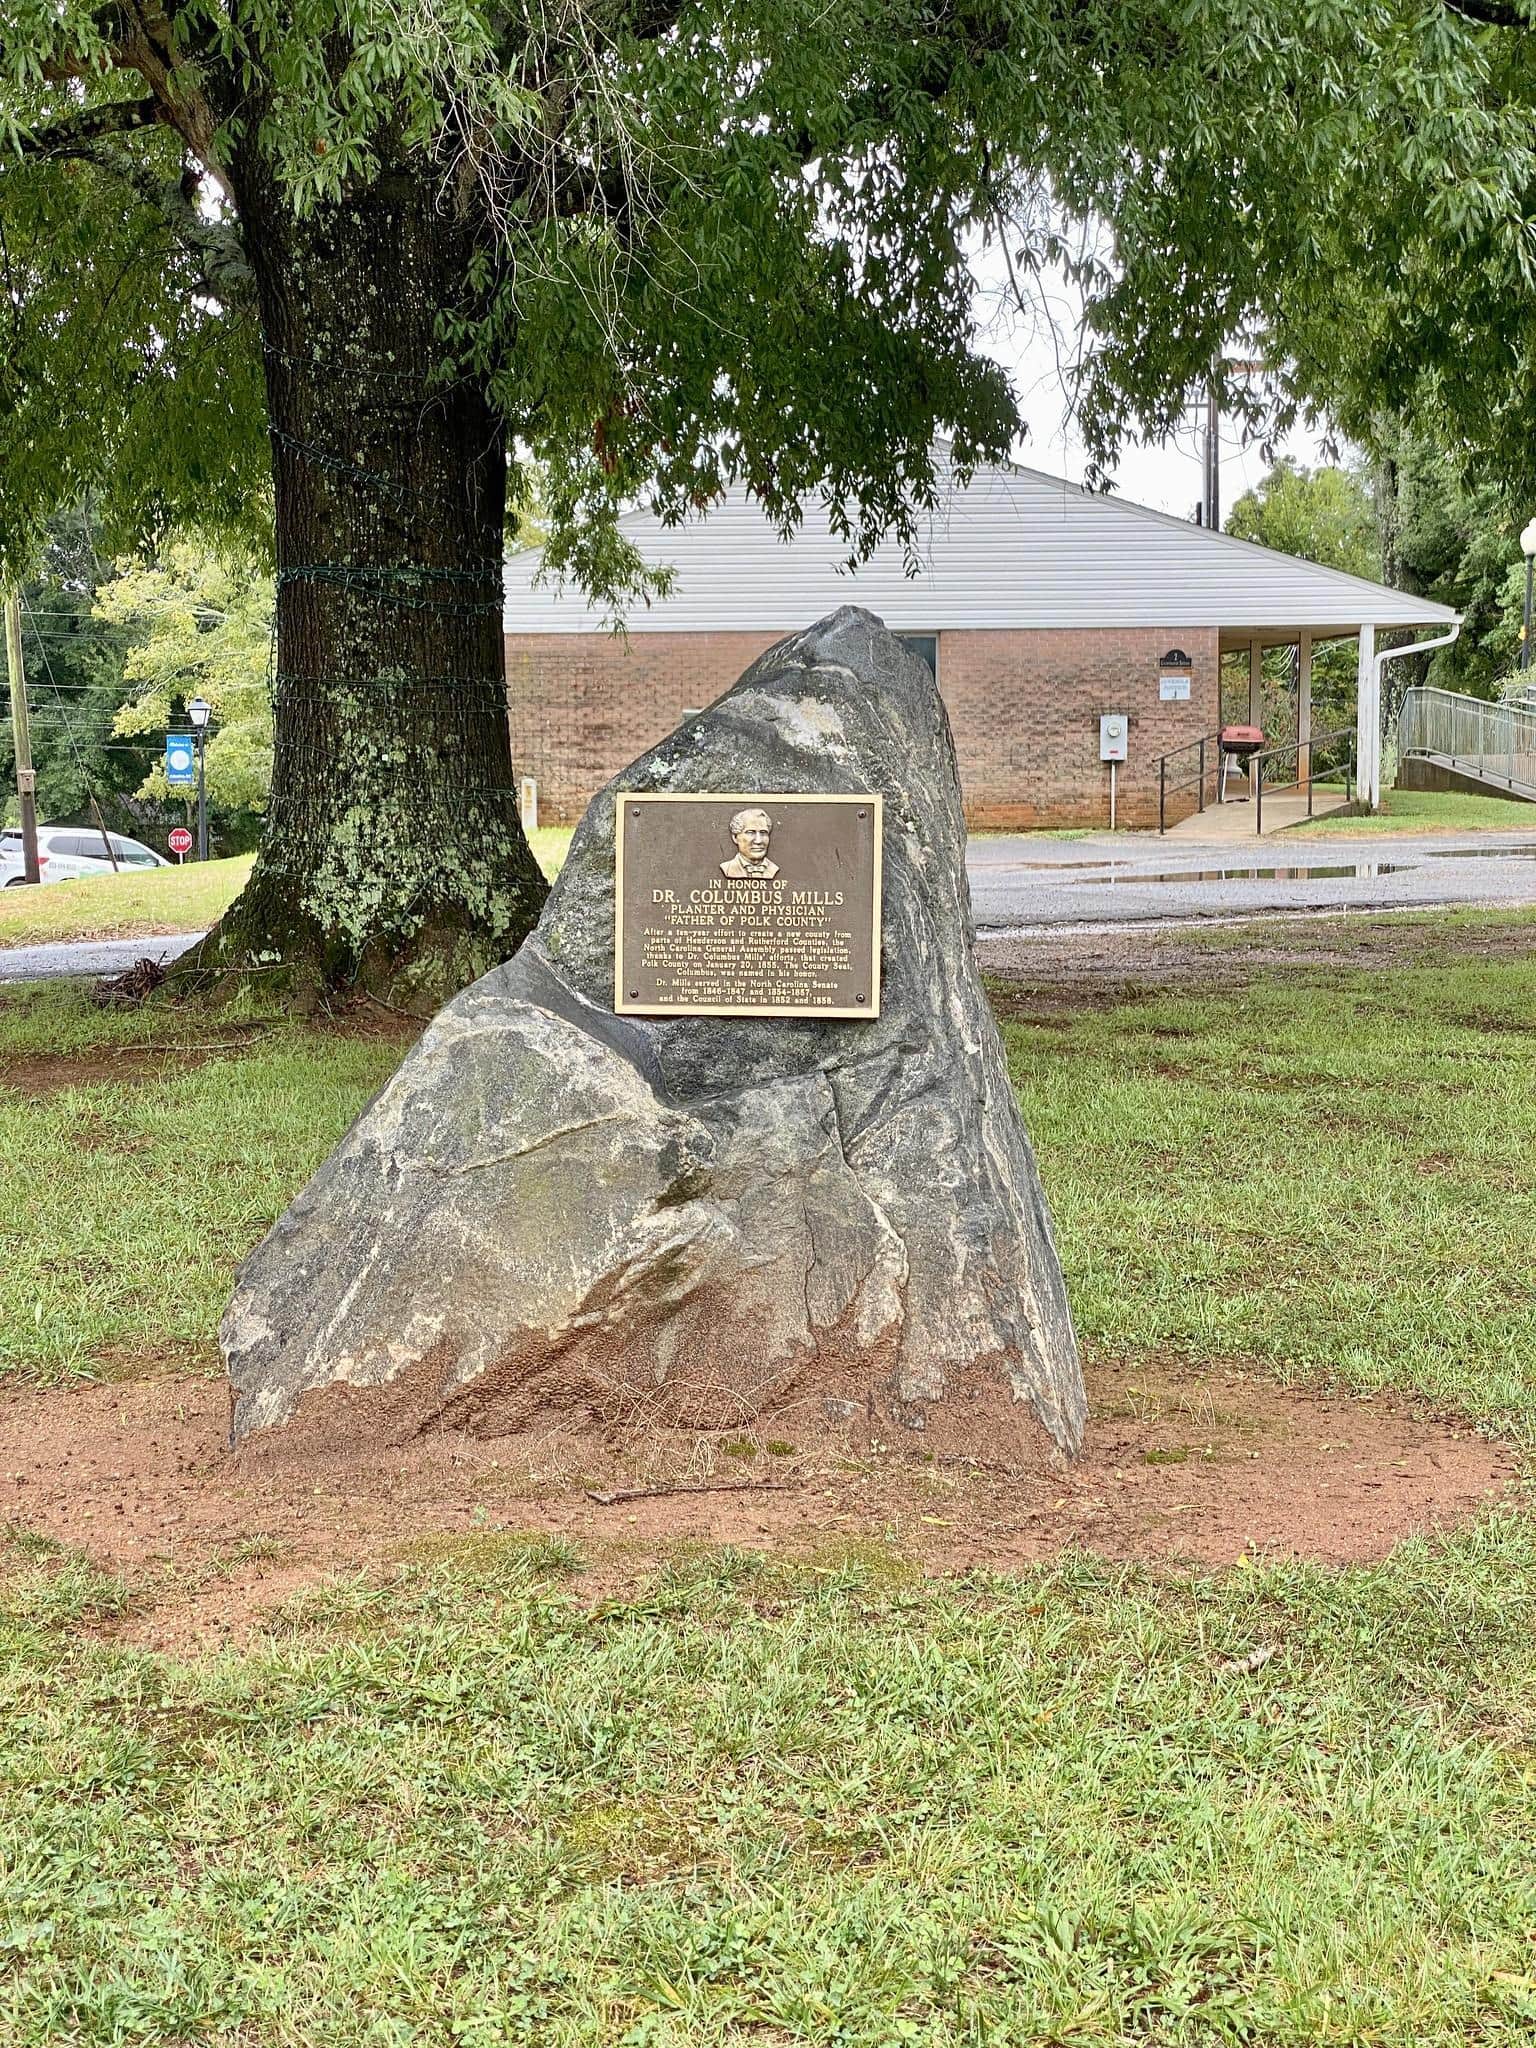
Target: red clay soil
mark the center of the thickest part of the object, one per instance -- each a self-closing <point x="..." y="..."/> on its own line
<point x="1179" y="1464"/>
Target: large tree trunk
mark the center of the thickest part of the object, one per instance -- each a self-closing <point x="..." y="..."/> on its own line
<point x="393" y="856"/>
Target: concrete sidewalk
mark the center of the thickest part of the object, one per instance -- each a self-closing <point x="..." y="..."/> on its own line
<point x="93" y="957"/>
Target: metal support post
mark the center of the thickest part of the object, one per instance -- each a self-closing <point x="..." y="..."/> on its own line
<point x="202" y="795"/>
<point x="26" y="778"/>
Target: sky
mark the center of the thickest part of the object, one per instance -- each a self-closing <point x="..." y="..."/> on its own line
<point x="1032" y="347"/>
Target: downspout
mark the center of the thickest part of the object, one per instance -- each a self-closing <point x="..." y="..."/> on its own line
<point x="1379" y="662"/>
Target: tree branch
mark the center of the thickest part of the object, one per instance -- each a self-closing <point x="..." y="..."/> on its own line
<point x="77" y="135"/>
<point x="1491" y="13"/>
<point x="214" y="246"/>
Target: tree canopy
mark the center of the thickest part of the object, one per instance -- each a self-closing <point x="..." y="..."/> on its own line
<point x="113" y="653"/>
<point x="728" y="239"/>
<point x="1323" y="515"/>
<point x="199" y="625"/>
<point x="1414" y="518"/>
<point x="336" y="263"/>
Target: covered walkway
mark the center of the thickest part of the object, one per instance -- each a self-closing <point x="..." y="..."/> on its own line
<point x="1205" y="788"/>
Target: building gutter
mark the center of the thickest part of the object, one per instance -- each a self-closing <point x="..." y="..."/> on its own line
<point x="1369" y="766"/>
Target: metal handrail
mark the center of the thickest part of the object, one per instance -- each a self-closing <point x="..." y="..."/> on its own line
<point x="1206" y="740"/>
<point x="1211" y="742"/>
<point x="1317" y="743"/>
<point x="1494" y="742"/>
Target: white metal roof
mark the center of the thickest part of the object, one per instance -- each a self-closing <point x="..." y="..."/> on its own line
<point x="1012" y="548"/>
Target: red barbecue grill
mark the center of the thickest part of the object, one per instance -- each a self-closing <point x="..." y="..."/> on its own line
<point x="1238" y="743"/>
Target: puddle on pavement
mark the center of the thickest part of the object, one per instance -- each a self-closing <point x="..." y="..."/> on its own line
<point x="1479" y="853"/>
<point x="1355" y="871"/>
<point x="1043" y="867"/>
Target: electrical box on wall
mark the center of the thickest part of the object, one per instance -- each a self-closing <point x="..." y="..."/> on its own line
<point x="1114" y="736"/>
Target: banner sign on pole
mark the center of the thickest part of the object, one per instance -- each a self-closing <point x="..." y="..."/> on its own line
<point x="180" y="761"/>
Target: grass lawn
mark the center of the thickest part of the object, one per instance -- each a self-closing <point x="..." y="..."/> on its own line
<point x="1427" y="810"/>
<point x="131" y="905"/>
<point x="181" y="899"/>
<point x="1328" y="1171"/>
<point x="823" y="1800"/>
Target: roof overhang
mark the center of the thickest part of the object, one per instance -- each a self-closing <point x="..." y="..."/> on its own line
<point x="1235" y="639"/>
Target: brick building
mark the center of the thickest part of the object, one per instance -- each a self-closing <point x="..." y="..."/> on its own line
<point x="1041" y="607"/>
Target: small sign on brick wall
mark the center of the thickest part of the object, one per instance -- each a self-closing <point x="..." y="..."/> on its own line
<point x="1175" y="677"/>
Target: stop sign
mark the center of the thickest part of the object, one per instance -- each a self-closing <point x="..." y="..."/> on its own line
<point x="180" y="840"/>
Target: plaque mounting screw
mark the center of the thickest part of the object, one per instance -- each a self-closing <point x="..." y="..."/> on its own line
<point x="863" y="814"/>
<point x="861" y="999"/>
<point x="634" y="995"/>
<point x="636" y="812"/>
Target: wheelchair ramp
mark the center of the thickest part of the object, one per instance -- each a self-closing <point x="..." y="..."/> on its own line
<point x="1484" y="746"/>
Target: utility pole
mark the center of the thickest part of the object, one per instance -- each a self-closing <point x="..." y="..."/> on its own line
<point x="26" y="779"/>
<point x="1211" y="508"/>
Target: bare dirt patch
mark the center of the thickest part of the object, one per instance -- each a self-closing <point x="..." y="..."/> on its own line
<point x="1045" y="976"/>
<point x="1179" y="1464"/>
<point x="48" y="1073"/>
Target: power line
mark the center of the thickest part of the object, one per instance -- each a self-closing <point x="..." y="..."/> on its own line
<point x="62" y="708"/>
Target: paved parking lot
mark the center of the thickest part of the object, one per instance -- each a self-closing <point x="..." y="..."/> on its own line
<point x="1027" y="882"/>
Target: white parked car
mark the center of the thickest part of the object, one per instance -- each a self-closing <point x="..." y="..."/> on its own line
<point x="66" y="852"/>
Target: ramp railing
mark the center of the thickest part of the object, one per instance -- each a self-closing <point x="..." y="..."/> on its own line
<point x="1492" y="743"/>
<point x="1324" y="764"/>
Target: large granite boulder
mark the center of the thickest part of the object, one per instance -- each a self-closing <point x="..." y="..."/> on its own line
<point x="693" y="1222"/>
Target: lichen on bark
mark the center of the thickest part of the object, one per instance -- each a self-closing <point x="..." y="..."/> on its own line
<point x="394" y="857"/>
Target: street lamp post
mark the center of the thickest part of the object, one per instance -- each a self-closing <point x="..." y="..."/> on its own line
<point x="1528" y="549"/>
<point x="200" y="711"/>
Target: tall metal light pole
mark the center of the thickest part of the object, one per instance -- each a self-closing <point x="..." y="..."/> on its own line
<point x="200" y="711"/>
<point x="26" y="779"/>
<point x="1528" y="549"/>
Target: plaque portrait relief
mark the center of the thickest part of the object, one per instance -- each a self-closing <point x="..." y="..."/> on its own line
<point x="708" y="922"/>
<point x="751" y="831"/>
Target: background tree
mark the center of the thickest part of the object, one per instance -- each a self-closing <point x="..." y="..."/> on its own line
<point x="74" y="665"/>
<point x="1325" y="515"/>
<point x="1414" y="519"/>
<point x="1456" y="538"/>
<point x="662" y="246"/>
<point x="1322" y="515"/>
<point x="198" y="623"/>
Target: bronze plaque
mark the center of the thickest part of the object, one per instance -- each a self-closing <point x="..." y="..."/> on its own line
<point x="748" y="904"/>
